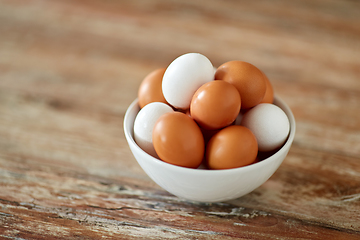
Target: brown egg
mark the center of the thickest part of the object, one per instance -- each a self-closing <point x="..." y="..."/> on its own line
<point x="247" y="78"/>
<point x="215" y="104"/>
<point x="178" y="140"/>
<point x="269" y="93"/>
<point x="232" y="147"/>
<point x="150" y="89"/>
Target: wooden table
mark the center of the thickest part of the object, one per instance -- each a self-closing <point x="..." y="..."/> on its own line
<point x="69" y="70"/>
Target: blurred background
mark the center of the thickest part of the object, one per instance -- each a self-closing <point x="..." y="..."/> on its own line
<point x="94" y="54"/>
<point x="89" y="57"/>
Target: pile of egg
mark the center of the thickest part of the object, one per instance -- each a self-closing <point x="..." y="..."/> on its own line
<point x="193" y="115"/>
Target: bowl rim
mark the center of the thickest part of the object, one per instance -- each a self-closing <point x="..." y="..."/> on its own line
<point x="277" y="101"/>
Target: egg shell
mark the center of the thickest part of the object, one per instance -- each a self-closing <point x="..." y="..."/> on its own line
<point x="247" y="78"/>
<point x="232" y="147"/>
<point x="144" y="124"/>
<point x="150" y="89"/>
<point x="269" y="124"/>
<point x="184" y="76"/>
<point x="269" y="92"/>
<point x="178" y="140"/>
<point x="215" y="105"/>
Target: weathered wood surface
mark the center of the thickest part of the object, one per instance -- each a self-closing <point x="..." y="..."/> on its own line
<point x="69" y="70"/>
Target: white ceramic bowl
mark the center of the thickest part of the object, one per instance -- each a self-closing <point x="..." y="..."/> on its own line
<point x="202" y="184"/>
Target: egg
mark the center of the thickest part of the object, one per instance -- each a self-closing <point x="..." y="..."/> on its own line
<point x="215" y="105"/>
<point x="144" y="124"/>
<point x="232" y="147"/>
<point x="269" y="92"/>
<point x="269" y="124"/>
<point x="150" y="89"/>
<point x="184" y="76"/>
<point x="247" y="78"/>
<point x="178" y="140"/>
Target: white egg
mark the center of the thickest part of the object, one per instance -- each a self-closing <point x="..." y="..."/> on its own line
<point x="184" y="76"/>
<point x="269" y="124"/>
<point x="144" y="124"/>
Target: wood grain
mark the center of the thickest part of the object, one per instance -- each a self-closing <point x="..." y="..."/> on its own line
<point x="69" y="70"/>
